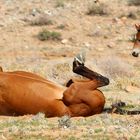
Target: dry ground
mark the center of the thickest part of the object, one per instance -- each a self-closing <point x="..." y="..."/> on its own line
<point x="105" y="39"/>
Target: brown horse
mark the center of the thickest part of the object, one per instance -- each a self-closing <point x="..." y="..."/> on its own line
<point x="136" y="48"/>
<point x="27" y="93"/>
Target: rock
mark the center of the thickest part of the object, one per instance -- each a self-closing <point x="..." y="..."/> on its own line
<point x="86" y="44"/>
<point x="100" y="49"/>
<point x="124" y="19"/>
<point x="132" y="89"/>
<point x="64" y="41"/>
<point x="110" y="45"/>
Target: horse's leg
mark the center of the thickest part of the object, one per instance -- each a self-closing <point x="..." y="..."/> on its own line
<point x="5" y="109"/>
<point x="80" y="69"/>
<point x="73" y="80"/>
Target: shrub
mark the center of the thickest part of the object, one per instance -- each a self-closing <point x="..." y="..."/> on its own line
<point x="41" y="20"/>
<point x="64" y="122"/>
<point x="132" y="14"/>
<point x="134" y="2"/>
<point x="48" y="35"/>
<point x="60" y="3"/>
<point x="114" y="67"/>
<point x="97" y="9"/>
<point x="61" y="26"/>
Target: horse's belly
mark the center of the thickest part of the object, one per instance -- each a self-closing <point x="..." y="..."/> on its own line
<point x="28" y="97"/>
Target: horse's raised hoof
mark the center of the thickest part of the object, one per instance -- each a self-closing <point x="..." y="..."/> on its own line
<point x="79" y="59"/>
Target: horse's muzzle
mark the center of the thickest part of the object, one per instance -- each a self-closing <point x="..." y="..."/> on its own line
<point x="106" y="81"/>
<point x="135" y="54"/>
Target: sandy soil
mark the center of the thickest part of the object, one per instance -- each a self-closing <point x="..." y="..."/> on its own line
<point x="105" y="39"/>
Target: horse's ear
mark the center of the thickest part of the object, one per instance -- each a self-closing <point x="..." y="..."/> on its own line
<point x="137" y="26"/>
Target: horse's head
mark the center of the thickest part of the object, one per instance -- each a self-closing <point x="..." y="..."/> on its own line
<point x="136" y="48"/>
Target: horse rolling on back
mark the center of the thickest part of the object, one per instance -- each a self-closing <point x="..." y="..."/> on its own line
<point x="27" y="93"/>
<point x="24" y="93"/>
<point x="136" y="47"/>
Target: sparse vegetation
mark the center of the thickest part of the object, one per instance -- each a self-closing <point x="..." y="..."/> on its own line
<point x="119" y="72"/>
<point x="103" y="127"/>
<point x="114" y="67"/>
<point x="132" y="15"/>
<point x="61" y="26"/>
<point x="49" y="35"/>
<point x="98" y="130"/>
<point x="64" y="122"/>
<point x="41" y="20"/>
<point x="97" y="9"/>
<point x="134" y="2"/>
<point x="60" y="3"/>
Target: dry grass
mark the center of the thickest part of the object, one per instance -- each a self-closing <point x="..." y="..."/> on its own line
<point x="60" y="3"/>
<point x="41" y="20"/>
<point x="97" y="9"/>
<point x="134" y="2"/>
<point x="49" y="35"/>
<point x="134" y="14"/>
<point x="120" y="73"/>
<point x="103" y="127"/>
<point x="114" y="67"/>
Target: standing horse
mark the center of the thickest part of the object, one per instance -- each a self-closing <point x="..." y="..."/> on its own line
<point x="136" y="48"/>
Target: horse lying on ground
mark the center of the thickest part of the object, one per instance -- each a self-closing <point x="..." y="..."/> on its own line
<point x="136" y="47"/>
<point x="27" y="93"/>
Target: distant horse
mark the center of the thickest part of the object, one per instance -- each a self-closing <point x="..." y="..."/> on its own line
<point x="136" y="48"/>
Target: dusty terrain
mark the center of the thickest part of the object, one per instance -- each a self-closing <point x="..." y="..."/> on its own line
<point x="105" y="39"/>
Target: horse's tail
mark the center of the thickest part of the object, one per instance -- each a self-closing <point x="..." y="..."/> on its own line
<point x="116" y="108"/>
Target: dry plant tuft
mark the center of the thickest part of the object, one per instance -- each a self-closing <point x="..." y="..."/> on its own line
<point x="131" y="14"/>
<point x="64" y="122"/>
<point x="121" y="83"/>
<point x="61" y="26"/>
<point x="60" y="3"/>
<point x="134" y="2"/>
<point x="114" y="67"/>
<point x="120" y="73"/>
<point x="41" y="20"/>
<point x="48" y="35"/>
<point x="61" y="72"/>
<point x="97" y="9"/>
